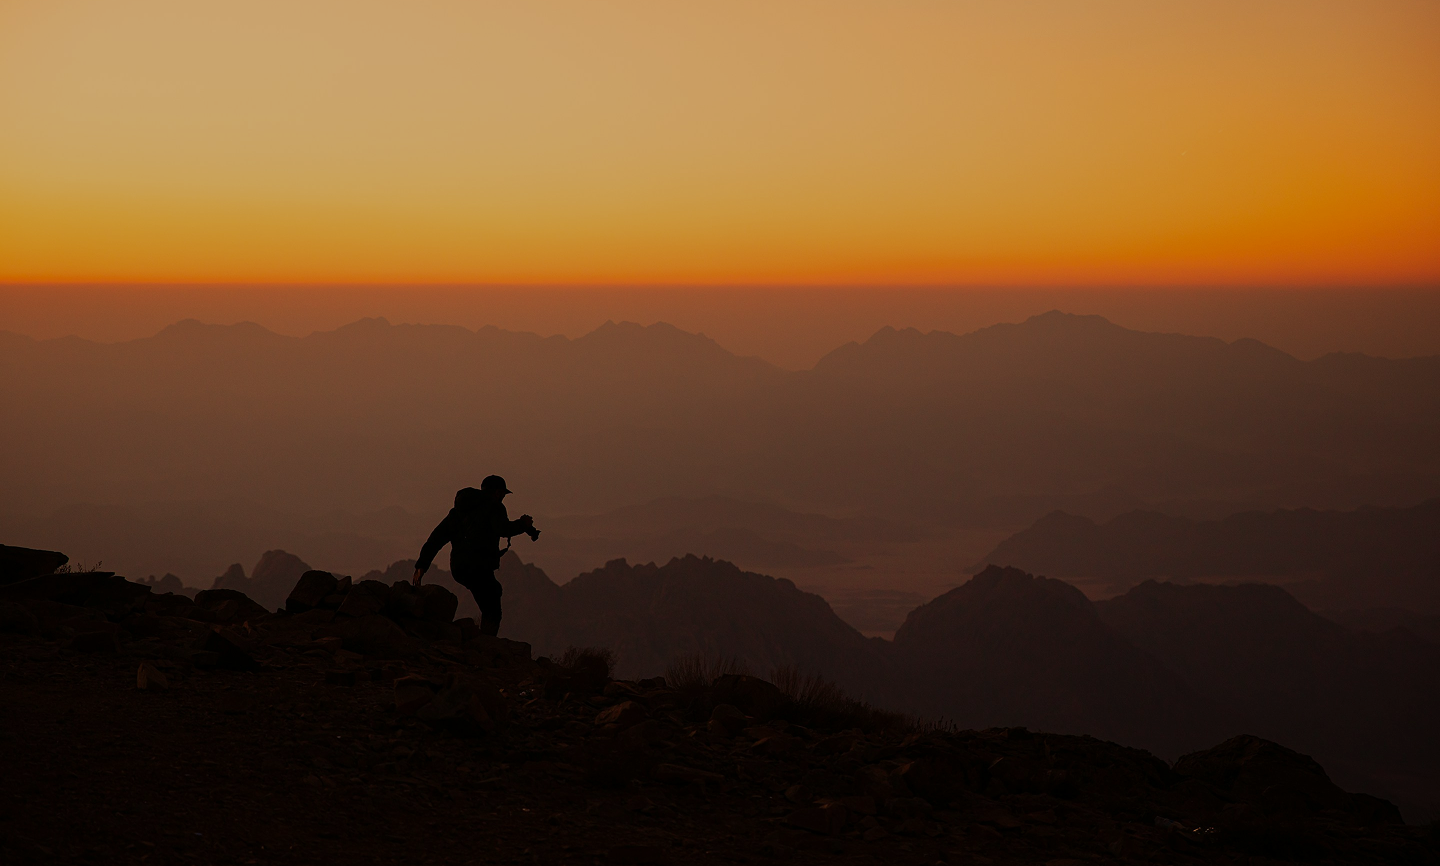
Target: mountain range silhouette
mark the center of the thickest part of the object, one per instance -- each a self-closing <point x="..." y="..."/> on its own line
<point x="995" y="427"/>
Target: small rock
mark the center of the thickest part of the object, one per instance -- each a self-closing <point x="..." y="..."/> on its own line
<point x="149" y="677"/>
<point x="457" y="706"/>
<point x="623" y="714"/>
<point x="412" y="693"/>
<point x="828" y="820"/>
<point x="775" y="746"/>
<point x="676" y="774"/>
<point x="340" y="678"/>
<point x="642" y="734"/>
<point x="836" y="745"/>
<point x="726" y="720"/>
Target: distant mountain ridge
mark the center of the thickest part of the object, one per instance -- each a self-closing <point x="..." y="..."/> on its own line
<point x="1371" y="557"/>
<point x="994" y="427"/>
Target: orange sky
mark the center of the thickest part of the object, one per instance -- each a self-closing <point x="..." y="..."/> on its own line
<point x="923" y="142"/>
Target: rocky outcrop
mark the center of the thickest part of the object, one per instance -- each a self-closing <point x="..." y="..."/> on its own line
<point x="23" y="563"/>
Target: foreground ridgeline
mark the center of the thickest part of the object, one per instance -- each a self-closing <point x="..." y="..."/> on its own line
<point x="363" y="723"/>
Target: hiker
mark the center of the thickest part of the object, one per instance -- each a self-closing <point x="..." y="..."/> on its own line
<point x="473" y="529"/>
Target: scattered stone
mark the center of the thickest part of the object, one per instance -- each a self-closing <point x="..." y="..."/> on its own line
<point x="677" y="774"/>
<point x="412" y="693"/>
<point x="458" y="707"/>
<point x="642" y="734"/>
<point x="623" y="714"/>
<point x="828" y="820"/>
<point x="147" y="677"/>
<point x="726" y="720"/>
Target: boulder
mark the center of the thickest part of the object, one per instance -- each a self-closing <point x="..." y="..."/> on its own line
<point x="102" y="590"/>
<point x="437" y="604"/>
<point x="229" y="605"/>
<point x="230" y="650"/>
<point x="310" y="591"/>
<point x="752" y="695"/>
<point x="365" y="598"/>
<point x="404" y="601"/>
<point x="23" y="563"/>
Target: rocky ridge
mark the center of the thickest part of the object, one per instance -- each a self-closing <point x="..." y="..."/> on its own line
<point x="363" y="723"/>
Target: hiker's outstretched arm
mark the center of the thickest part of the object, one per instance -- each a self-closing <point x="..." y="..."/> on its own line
<point x="438" y="539"/>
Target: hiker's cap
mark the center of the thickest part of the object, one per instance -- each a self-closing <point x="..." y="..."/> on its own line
<point x="494" y="482"/>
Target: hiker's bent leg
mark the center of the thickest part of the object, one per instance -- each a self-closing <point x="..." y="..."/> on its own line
<point x="487" y="596"/>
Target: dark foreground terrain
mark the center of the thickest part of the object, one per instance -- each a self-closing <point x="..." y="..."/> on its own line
<point x="364" y="725"/>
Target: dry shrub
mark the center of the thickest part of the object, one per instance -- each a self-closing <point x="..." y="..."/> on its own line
<point x="817" y="702"/>
<point x="695" y="672"/>
<point x="595" y="661"/>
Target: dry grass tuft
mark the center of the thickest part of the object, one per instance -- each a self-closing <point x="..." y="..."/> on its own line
<point x="594" y="661"/>
<point x="819" y="703"/>
<point x="695" y="672"/>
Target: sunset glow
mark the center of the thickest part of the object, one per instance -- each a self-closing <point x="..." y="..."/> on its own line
<point x="1123" y="142"/>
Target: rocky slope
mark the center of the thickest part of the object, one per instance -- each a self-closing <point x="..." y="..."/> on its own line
<point x="364" y="724"/>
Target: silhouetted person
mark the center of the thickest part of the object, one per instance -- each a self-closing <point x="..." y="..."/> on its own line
<point x="473" y="529"/>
